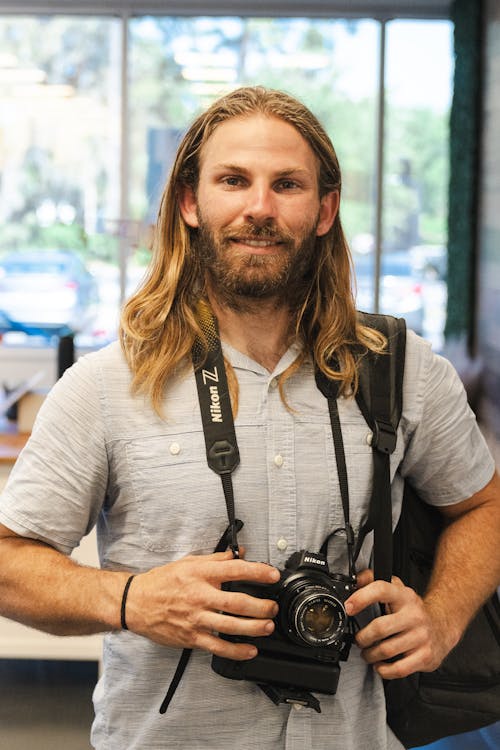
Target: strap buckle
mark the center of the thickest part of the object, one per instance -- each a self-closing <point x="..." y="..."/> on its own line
<point x="384" y="437"/>
<point x="223" y="456"/>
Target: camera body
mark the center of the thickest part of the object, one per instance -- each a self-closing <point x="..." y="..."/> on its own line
<point x="312" y="634"/>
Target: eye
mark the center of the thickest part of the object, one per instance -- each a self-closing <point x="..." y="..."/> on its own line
<point x="232" y="181"/>
<point x="287" y="184"/>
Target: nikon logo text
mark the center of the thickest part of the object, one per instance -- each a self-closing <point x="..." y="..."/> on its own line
<point x="312" y="559"/>
<point x="215" y="410"/>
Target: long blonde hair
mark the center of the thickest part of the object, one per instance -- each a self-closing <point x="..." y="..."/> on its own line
<point x="160" y="322"/>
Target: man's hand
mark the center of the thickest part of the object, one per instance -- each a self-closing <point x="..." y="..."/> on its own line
<point x="408" y="630"/>
<point x="182" y="604"/>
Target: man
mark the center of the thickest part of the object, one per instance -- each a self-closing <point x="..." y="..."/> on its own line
<point x="248" y="229"/>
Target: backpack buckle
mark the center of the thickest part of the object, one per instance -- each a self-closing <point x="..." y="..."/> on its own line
<point x="384" y="437"/>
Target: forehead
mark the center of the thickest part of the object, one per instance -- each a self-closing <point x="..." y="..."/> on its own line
<point x="258" y="139"/>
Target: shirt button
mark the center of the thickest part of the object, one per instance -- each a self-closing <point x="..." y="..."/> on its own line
<point x="278" y="461"/>
<point x="282" y="544"/>
<point x="369" y="438"/>
<point x="175" y="449"/>
<point x="274" y="383"/>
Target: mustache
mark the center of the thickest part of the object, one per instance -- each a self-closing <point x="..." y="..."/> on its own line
<point x="254" y="232"/>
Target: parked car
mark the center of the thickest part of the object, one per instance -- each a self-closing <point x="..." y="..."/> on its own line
<point x="430" y="261"/>
<point x="400" y="287"/>
<point x="46" y="292"/>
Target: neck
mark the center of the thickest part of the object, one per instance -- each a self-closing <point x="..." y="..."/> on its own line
<point x="262" y="330"/>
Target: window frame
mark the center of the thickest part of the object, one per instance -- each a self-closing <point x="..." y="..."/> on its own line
<point x="376" y="9"/>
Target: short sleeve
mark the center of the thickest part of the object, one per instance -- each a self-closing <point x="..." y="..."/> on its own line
<point x="446" y="457"/>
<point x="58" y="485"/>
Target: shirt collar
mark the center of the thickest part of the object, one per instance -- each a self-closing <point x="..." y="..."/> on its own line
<point x="243" y="362"/>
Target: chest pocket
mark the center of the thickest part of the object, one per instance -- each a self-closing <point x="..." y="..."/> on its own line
<point x="179" y="499"/>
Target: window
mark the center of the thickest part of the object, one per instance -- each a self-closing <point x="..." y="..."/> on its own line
<point x="59" y="161"/>
<point x="416" y="165"/>
<point x="65" y="186"/>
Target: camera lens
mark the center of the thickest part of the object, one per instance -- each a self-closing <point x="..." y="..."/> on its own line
<point x="318" y="618"/>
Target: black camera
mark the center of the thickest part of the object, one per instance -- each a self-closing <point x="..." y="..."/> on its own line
<point x="313" y="631"/>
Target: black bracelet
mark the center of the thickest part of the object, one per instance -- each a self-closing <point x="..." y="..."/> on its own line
<point x="124" y="602"/>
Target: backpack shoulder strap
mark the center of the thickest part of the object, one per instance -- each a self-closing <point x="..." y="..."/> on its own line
<point x="380" y="399"/>
<point x="380" y="392"/>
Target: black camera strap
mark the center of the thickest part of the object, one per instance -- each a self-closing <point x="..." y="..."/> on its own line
<point x="223" y="457"/>
<point x="329" y="389"/>
<point x="222" y="451"/>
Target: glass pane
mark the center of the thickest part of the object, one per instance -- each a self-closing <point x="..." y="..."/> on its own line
<point x="179" y="65"/>
<point x="59" y="166"/>
<point x="418" y="96"/>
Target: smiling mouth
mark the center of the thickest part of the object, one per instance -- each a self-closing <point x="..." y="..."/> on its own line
<point x="257" y="244"/>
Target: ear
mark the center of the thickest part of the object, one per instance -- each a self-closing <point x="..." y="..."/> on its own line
<point x="188" y="205"/>
<point x="328" y="210"/>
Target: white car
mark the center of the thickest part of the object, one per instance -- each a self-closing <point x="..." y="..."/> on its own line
<point x="45" y="292"/>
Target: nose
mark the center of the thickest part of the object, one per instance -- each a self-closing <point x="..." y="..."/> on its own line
<point x="261" y="204"/>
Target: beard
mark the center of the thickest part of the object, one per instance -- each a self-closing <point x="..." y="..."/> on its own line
<point x="238" y="278"/>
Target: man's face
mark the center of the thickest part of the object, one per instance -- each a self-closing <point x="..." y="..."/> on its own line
<point x="257" y="209"/>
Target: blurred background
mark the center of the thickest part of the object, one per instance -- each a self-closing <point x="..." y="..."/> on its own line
<point x="94" y="98"/>
<point x="92" y="109"/>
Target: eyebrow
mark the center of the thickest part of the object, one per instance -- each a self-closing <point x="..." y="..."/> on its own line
<point x="287" y="172"/>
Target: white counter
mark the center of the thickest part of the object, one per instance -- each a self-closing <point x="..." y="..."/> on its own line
<point x="20" y="642"/>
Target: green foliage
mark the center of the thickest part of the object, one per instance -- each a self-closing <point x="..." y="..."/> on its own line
<point x="71" y="237"/>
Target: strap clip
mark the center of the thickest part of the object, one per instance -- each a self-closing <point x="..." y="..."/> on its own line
<point x="223" y="457"/>
<point x="384" y="437"/>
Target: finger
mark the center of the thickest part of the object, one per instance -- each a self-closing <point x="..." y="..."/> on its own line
<point x="366" y="576"/>
<point x="373" y="593"/>
<point x="379" y="629"/>
<point x="227" y="649"/>
<point x="242" y="570"/>
<point x="413" y="661"/>
<point x="240" y="626"/>
<point x="236" y="603"/>
<point x="390" y="648"/>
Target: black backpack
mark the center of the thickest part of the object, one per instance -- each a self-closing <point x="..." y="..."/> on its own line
<point x="464" y="693"/>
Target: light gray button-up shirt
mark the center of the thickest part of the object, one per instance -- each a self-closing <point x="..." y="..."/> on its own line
<point x="99" y="455"/>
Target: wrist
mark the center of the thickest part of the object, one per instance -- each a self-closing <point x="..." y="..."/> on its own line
<point x="108" y="603"/>
<point x="445" y="622"/>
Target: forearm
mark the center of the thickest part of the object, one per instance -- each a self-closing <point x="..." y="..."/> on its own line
<point x="42" y="588"/>
<point x="180" y="604"/>
<point x="467" y="565"/>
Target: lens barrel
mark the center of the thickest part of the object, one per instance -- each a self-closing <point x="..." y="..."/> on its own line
<point x="311" y="612"/>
